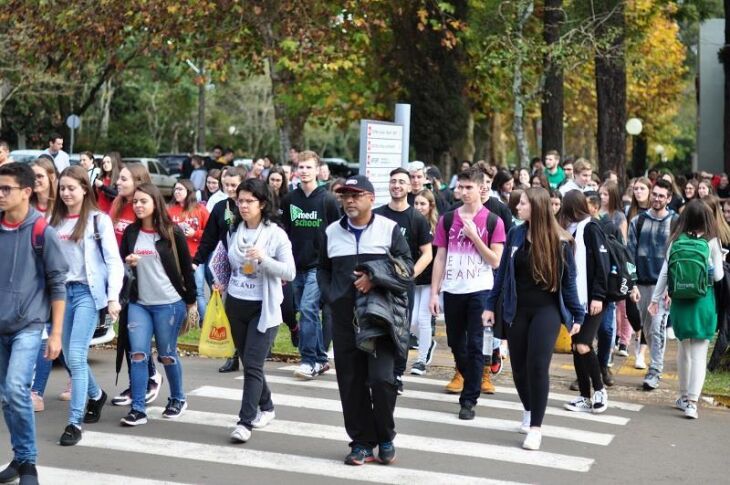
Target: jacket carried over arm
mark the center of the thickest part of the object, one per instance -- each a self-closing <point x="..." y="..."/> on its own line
<point x="216" y="229"/>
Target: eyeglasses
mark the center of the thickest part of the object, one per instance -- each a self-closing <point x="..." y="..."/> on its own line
<point x="243" y="202"/>
<point x="352" y="195"/>
<point x="658" y="196"/>
<point x="5" y="189"/>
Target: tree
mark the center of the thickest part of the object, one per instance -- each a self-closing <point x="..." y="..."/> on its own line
<point x="552" y="96"/>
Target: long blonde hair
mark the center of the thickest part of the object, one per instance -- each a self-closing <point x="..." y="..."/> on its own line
<point x="433" y="212"/>
<point x="47" y="166"/>
<point x="140" y="175"/>
<point x="721" y="225"/>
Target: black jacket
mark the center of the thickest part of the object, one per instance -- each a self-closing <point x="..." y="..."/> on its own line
<point x="383" y="311"/>
<point x="216" y="229"/>
<point x="184" y="284"/>
<point x="342" y="253"/>
<point x="597" y="260"/>
<point x="305" y="220"/>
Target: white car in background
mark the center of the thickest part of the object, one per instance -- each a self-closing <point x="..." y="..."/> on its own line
<point x="158" y="173"/>
<point x="25" y="156"/>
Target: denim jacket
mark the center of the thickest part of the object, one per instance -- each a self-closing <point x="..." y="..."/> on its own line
<point x="103" y="273"/>
<point x="570" y="308"/>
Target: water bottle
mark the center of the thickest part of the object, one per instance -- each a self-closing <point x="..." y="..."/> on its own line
<point x="488" y="344"/>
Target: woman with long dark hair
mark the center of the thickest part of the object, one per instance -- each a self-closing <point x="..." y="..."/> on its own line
<point x="261" y="258"/>
<point x="593" y="265"/>
<point x="277" y="181"/>
<point x="191" y="217"/>
<point x="164" y="284"/>
<point x="537" y="280"/>
<point x="93" y="282"/>
<point x="503" y="184"/>
<point x="106" y="184"/>
<point x="694" y="320"/>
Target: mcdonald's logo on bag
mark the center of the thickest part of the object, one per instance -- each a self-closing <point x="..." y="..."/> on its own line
<point x="218" y="334"/>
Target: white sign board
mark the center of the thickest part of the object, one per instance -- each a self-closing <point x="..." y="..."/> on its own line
<point x="381" y="151"/>
<point x="73" y="121"/>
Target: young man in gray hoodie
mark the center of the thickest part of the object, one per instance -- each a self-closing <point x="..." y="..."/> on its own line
<point x="32" y="290"/>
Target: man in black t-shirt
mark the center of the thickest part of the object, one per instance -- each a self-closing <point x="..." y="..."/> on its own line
<point x="417" y="232"/>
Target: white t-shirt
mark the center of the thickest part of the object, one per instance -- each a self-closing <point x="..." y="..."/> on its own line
<point x="245" y="286"/>
<point x="153" y="285"/>
<point x="74" y="251"/>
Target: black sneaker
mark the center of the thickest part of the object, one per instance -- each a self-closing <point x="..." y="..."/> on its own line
<point x="10" y="473"/>
<point x="93" y="409"/>
<point x="418" y="368"/>
<point x="71" y="435"/>
<point x="123" y="399"/>
<point x="467" y="412"/>
<point x="607" y="376"/>
<point x="386" y="453"/>
<point x="413" y="342"/>
<point x="431" y="352"/>
<point x="294" y="335"/>
<point x="134" y="418"/>
<point x="28" y="474"/>
<point x="359" y="456"/>
<point x="174" y="408"/>
<point x="399" y="384"/>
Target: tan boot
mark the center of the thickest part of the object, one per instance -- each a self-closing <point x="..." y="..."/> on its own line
<point x="487" y="386"/>
<point x="457" y="383"/>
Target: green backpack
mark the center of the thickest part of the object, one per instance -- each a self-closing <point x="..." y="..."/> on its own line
<point x="688" y="277"/>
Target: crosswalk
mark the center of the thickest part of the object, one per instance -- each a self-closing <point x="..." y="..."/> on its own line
<point x="307" y="441"/>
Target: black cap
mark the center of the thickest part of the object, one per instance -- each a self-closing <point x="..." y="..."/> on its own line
<point x="356" y="183"/>
<point x="433" y="173"/>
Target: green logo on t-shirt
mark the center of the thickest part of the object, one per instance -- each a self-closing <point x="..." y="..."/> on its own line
<point x="300" y="218"/>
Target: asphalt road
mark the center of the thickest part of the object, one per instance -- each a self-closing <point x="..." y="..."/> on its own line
<point x="305" y="444"/>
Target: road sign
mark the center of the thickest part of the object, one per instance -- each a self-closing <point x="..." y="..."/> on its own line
<point x="73" y="122"/>
<point x="381" y="150"/>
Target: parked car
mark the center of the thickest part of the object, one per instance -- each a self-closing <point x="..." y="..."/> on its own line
<point x="173" y="162"/>
<point x="339" y="167"/>
<point x="75" y="158"/>
<point x="25" y="156"/>
<point x="158" y="173"/>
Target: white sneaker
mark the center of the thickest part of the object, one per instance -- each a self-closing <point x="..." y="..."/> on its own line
<point x="580" y="404"/>
<point x="640" y="362"/>
<point x="525" y="426"/>
<point x="670" y="334"/>
<point x="600" y="401"/>
<point x="241" y="434"/>
<point x="691" y="410"/>
<point x="532" y="440"/>
<point x="305" y="371"/>
<point x="681" y="403"/>
<point x="263" y="418"/>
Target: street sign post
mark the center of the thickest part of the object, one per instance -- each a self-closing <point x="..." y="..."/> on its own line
<point x="73" y="122"/>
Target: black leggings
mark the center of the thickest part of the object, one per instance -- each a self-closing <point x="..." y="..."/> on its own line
<point x="531" y="339"/>
<point x="586" y="365"/>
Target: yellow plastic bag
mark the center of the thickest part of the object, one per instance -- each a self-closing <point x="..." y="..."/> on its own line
<point x="215" y="337"/>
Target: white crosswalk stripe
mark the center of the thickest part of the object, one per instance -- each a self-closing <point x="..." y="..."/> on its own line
<point x="243" y="456"/>
<point x="401" y="412"/>
<point x="625" y="406"/>
<point x="487" y="402"/>
<point x="511" y="454"/>
<point x="62" y="476"/>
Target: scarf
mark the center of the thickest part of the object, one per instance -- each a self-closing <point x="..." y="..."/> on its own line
<point x="241" y="243"/>
<point x="581" y="263"/>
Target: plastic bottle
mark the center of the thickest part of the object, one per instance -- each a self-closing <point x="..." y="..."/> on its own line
<point x="488" y="344"/>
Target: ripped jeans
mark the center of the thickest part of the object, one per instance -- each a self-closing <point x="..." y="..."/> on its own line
<point x="164" y="321"/>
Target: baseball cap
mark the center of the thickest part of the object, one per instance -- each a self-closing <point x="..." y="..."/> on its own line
<point x="356" y="183"/>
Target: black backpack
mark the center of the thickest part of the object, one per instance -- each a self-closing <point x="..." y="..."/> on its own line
<point x="492" y="219"/>
<point x="622" y="271"/>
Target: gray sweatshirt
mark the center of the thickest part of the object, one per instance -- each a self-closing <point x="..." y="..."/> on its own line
<point x="28" y="284"/>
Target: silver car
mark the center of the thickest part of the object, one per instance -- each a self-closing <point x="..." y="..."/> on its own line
<point x="158" y="173"/>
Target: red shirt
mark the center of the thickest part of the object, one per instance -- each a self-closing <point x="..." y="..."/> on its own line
<point x="105" y="203"/>
<point x="197" y="218"/>
<point x="126" y="217"/>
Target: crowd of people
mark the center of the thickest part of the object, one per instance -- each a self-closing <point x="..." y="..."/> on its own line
<point x="506" y="258"/>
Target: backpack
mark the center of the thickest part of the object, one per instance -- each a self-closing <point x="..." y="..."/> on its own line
<point x="492" y="219"/>
<point x="622" y="271"/>
<point x="688" y="277"/>
<point x="38" y="236"/>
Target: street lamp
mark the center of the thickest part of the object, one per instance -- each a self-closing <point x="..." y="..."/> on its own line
<point x="232" y="130"/>
<point x="634" y="127"/>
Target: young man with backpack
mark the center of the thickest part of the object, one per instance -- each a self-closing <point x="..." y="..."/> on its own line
<point x="32" y="292"/>
<point x="462" y="269"/>
<point x="648" y="236"/>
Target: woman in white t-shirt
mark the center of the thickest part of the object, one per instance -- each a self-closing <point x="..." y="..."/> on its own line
<point x="93" y="282"/>
<point x="261" y="258"/>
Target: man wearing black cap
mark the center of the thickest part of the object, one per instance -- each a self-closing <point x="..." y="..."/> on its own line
<point x="367" y="386"/>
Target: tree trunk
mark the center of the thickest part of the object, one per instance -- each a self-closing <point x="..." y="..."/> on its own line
<point x="551" y="108"/>
<point x="201" y="114"/>
<point x="725" y="59"/>
<point x="518" y="123"/>
<point x="638" y="155"/>
<point x="611" y="93"/>
<point x="107" y="94"/>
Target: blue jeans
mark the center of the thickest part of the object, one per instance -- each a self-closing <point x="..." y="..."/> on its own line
<point x="17" y="358"/>
<point x="164" y="321"/>
<point x="200" y="291"/>
<point x="44" y="366"/>
<point x="607" y="334"/>
<point x="79" y="323"/>
<point x="306" y="299"/>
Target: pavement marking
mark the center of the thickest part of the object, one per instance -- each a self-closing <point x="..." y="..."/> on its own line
<point x="240" y="455"/>
<point x="512" y="454"/>
<point x="487" y="402"/>
<point x="625" y="406"/>
<point x="414" y="414"/>
<point x="62" y="476"/>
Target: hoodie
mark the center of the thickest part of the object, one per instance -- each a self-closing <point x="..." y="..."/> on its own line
<point x="305" y="221"/>
<point x="29" y="283"/>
